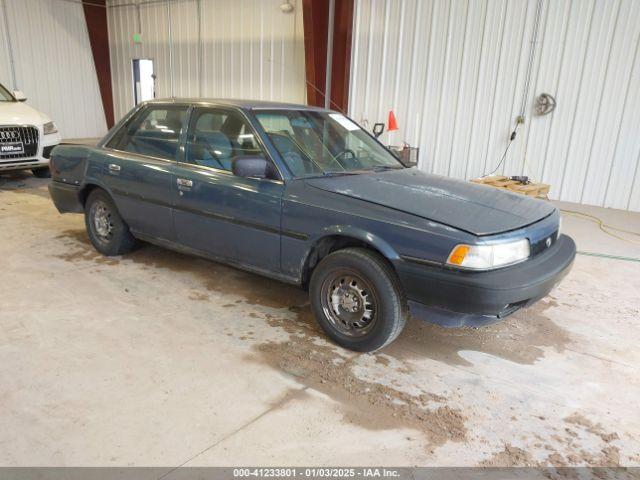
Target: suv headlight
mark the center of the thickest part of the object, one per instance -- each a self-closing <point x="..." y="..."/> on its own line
<point x="486" y="257"/>
<point x="49" y="128"/>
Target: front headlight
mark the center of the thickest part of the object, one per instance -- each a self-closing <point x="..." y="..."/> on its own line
<point x="49" y="128"/>
<point x="559" y="228"/>
<point x="485" y="257"/>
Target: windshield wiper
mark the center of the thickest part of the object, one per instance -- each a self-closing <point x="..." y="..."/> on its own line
<point x="340" y="173"/>
<point x="382" y="168"/>
<point x="335" y="173"/>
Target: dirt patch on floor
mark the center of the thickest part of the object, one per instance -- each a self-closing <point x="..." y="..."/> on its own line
<point x="510" y="456"/>
<point x="80" y="249"/>
<point x="199" y="296"/>
<point x="593" y="428"/>
<point x="371" y="405"/>
<point x="576" y="454"/>
<point x="567" y="448"/>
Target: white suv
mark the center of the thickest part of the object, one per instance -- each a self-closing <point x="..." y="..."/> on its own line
<point x="26" y="135"/>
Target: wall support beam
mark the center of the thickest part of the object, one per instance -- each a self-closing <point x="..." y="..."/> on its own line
<point x="315" y="15"/>
<point x="95" y="14"/>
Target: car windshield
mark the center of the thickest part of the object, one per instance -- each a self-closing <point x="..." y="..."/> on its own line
<point x="316" y="143"/>
<point x="5" y="96"/>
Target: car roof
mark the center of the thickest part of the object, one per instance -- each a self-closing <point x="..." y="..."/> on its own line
<point x="239" y="103"/>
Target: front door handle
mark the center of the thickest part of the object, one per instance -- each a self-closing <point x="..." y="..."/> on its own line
<point x="114" y="168"/>
<point x="184" y="184"/>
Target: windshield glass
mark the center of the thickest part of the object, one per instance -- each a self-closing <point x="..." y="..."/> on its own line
<point x="314" y="143"/>
<point x="5" y="96"/>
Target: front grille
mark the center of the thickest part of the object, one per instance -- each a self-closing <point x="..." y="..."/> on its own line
<point x="27" y="135"/>
<point x="46" y="151"/>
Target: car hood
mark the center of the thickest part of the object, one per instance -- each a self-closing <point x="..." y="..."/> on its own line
<point x="476" y="209"/>
<point x="18" y="113"/>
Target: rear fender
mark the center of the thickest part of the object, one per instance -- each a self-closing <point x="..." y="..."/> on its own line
<point x="69" y="163"/>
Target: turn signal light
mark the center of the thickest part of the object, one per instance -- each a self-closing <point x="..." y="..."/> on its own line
<point x="458" y="254"/>
<point x="486" y="257"/>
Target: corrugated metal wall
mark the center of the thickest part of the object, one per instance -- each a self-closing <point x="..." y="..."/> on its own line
<point x="53" y="63"/>
<point x="454" y="72"/>
<point x="247" y="49"/>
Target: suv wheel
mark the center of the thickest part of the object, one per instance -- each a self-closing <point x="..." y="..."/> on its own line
<point x="43" y="172"/>
<point x="357" y="299"/>
<point x="107" y="231"/>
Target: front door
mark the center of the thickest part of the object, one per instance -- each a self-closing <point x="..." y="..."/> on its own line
<point x="138" y="171"/>
<point x="232" y="218"/>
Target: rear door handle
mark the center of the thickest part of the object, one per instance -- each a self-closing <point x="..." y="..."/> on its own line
<point x="114" y="168"/>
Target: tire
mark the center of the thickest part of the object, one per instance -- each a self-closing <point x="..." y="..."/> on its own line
<point x="107" y="231"/>
<point x="357" y="299"/>
<point x="43" y="172"/>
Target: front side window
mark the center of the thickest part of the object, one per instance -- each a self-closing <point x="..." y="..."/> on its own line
<point x="154" y="132"/>
<point x="315" y="143"/>
<point x="5" y="96"/>
<point x="217" y="136"/>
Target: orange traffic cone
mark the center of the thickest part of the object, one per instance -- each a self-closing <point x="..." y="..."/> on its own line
<point x="391" y="123"/>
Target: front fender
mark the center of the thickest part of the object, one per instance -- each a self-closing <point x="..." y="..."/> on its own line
<point x="345" y="232"/>
<point x="359" y="234"/>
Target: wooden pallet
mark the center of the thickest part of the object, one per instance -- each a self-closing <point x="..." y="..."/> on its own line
<point x="539" y="190"/>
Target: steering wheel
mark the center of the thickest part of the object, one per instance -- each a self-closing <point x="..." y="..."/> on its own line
<point x="349" y="157"/>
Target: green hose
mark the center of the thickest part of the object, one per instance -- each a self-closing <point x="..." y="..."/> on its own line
<point x="613" y="257"/>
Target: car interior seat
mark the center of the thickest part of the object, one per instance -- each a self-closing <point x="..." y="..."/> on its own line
<point x="211" y="147"/>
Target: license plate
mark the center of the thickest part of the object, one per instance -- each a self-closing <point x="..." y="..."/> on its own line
<point x="11" y="148"/>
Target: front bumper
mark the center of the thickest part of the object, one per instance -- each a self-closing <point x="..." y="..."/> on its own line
<point x="456" y="298"/>
<point x="46" y="143"/>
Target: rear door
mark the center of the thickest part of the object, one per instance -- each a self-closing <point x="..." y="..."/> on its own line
<point x="138" y="171"/>
<point x="233" y="218"/>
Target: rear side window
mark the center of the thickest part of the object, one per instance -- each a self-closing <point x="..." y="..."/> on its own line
<point x="217" y="136"/>
<point x="153" y="132"/>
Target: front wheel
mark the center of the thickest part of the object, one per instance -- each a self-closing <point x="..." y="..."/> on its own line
<point x="107" y="231"/>
<point x="357" y="299"/>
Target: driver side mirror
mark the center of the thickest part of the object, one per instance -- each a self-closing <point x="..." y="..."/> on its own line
<point x="19" y="96"/>
<point x="253" y="167"/>
<point x="378" y="129"/>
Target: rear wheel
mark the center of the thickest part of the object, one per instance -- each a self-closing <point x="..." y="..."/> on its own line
<point x="357" y="299"/>
<point x="107" y="231"/>
<point x="43" y="172"/>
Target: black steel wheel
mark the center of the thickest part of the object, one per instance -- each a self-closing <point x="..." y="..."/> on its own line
<point x="357" y="299"/>
<point x="349" y="303"/>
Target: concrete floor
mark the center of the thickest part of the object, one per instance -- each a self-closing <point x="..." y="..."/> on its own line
<point x="160" y="359"/>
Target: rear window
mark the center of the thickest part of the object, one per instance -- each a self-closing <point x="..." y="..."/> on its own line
<point x="154" y="132"/>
